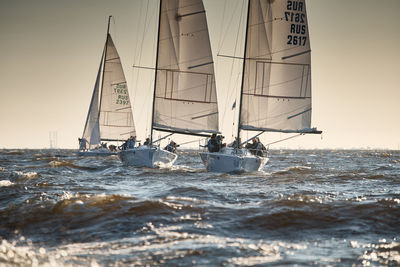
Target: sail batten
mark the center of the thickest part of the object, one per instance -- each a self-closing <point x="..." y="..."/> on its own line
<point x="185" y="79"/>
<point x="276" y="89"/>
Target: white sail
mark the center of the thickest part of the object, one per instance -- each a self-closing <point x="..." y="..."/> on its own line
<point x="115" y="117"/>
<point x="185" y="96"/>
<point x="276" y="93"/>
<point x="91" y="131"/>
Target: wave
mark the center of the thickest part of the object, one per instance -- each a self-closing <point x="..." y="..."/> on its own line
<point x="324" y="215"/>
<point x="4" y="183"/>
<point x="294" y="170"/>
<point x="29" y="175"/>
<point x="180" y="170"/>
<point x="40" y="215"/>
<point x="12" y="152"/>
<point x="59" y="164"/>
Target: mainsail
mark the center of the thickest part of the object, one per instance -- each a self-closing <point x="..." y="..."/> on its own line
<point x="185" y="99"/>
<point x="276" y="89"/>
<point x="110" y="113"/>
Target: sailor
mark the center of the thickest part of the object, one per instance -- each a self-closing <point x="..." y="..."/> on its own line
<point x="260" y="148"/>
<point x="220" y="145"/>
<point x="147" y="142"/>
<point x="252" y="146"/>
<point x="82" y="143"/>
<point x="171" y="147"/>
<point x="236" y="144"/>
<point x="124" y="145"/>
<point x="212" y="144"/>
<point x="131" y="142"/>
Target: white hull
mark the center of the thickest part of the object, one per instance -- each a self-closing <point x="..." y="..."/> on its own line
<point x="145" y="156"/>
<point x="231" y="160"/>
<point x="96" y="152"/>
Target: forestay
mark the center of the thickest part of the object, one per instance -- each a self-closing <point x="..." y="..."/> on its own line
<point x="185" y="95"/>
<point x="276" y="94"/>
<point x="116" y="120"/>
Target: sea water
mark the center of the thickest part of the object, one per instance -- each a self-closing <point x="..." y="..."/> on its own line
<point x="306" y="208"/>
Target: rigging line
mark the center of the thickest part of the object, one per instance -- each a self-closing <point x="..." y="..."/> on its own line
<point x="230" y="23"/>
<point x="139" y="49"/>
<point x="142" y="41"/>
<point x="189" y="142"/>
<point x="137" y="40"/>
<point x="297" y="135"/>
<point x="222" y="26"/>
<point x="134" y="84"/>
<point x="232" y="65"/>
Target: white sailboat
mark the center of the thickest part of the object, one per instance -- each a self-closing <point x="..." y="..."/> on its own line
<point x="276" y="80"/>
<point x="110" y="114"/>
<point x="184" y="98"/>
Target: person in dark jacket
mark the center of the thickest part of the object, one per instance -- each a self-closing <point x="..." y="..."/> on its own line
<point x="171" y="147"/>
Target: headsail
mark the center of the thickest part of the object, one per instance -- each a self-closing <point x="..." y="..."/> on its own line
<point x="276" y="93"/>
<point x="115" y="117"/>
<point x="91" y="131"/>
<point x="185" y="95"/>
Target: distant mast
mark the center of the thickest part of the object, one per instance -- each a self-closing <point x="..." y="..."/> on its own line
<point x="53" y="139"/>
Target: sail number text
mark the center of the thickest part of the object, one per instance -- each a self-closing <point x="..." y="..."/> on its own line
<point x="298" y="29"/>
<point x="122" y="95"/>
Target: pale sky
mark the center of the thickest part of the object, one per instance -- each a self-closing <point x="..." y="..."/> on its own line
<point x="50" y="52"/>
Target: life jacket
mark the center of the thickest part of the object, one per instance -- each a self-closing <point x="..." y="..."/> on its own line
<point x="131" y="143"/>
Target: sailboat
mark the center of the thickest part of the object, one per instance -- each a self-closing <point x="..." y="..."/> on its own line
<point x="184" y="97"/>
<point x="275" y="94"/>
<point x="110" y="114"/>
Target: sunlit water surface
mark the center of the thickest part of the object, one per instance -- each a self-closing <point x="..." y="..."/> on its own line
<point x="305" y="208"/>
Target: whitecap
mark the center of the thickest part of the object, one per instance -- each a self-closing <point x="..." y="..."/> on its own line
<point x="5" y="183"/>
<point x="254" y="260"/>
<point x="27" y="174"/>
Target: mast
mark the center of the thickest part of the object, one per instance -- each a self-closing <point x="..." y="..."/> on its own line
<point x="155" y="78"/>
<point x="104" y="63"/>
<point x="244" y="67"/>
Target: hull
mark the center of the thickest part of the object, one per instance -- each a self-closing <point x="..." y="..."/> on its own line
<point x="96" y="152"/>
<point x="230" y="160"/>
<point x="145" y="156"/>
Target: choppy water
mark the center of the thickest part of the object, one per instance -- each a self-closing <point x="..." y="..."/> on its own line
<point x="308" y="208"/>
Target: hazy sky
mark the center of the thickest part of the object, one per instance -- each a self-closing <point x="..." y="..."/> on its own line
<point x="50" y="51"/>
